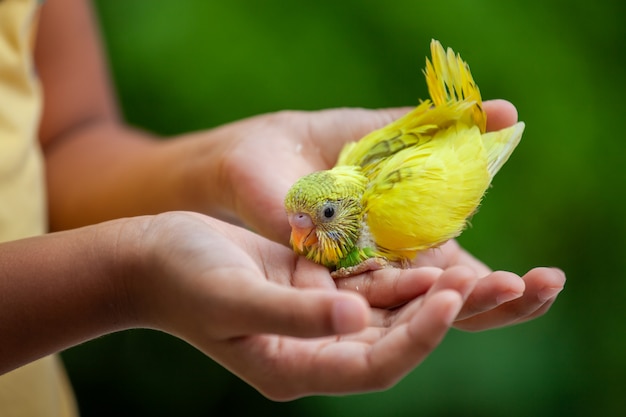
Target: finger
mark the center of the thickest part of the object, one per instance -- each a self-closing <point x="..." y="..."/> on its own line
<point x="347" y="125"/>
<point x="354" y="364"/>
<point x="539" y="312"/>
<point x="373" y="359"/>
<point x="377" y="359"/>
<point x="266" y="307"/>
<point x="542" y="287"/>
<point x="405" y="346"/>
<point x="391" y="287"/>
<point x="500" y="114"/>
<point x="548" y="293"/>
<point x="459" y="279"/>
<point x="491" y="291"/>
<point x="451" y="254"/>
<point x="308" y="274"/>
<point x="359" y="122"/>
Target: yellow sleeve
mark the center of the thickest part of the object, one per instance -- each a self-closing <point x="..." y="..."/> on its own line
<point x="40" y="388"/>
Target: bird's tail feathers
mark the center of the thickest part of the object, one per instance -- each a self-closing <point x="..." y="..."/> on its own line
<point x="449" y="80"/>
<point x="500" y="145"/>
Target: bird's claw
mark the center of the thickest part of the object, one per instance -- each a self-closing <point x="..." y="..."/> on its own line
<point x="370" y="264"/>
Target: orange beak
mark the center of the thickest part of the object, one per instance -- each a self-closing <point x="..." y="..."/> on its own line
<point x="302" y="231"/>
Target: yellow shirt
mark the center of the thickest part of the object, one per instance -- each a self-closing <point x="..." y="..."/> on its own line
<point x="40" y="388"/>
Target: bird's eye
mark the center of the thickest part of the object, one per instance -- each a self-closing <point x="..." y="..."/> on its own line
<point x="328" y="211"/>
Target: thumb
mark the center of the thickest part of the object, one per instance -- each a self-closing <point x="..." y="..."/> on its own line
<point x="275" y="309"/>
<point x="500" y="114"/>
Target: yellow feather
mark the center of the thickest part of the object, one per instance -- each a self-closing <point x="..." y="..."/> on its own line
<point x="449" y="80"/>
<point x="421" y="197"/>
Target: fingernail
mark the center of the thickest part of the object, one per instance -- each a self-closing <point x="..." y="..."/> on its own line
<point x="548" y="293"/>
<point x="559" y="270"/>
<point x="454" y="309"/>
<point x="507" y="296"/>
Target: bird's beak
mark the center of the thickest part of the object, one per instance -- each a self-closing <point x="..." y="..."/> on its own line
<point x="302" y="231"/>
<point x="301" y="238"/>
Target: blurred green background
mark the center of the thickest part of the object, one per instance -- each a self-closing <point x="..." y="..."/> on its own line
<point x="188" y="65"/>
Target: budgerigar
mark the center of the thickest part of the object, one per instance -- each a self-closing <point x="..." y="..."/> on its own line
<point x="407" y="187"/>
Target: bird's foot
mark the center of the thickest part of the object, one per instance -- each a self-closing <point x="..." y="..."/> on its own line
<point x="370" y="264"/>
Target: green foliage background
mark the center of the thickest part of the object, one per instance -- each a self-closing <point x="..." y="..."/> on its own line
<point x="181" y="66"/>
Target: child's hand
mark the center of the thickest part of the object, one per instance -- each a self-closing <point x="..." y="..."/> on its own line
<point x="278" y="321"/>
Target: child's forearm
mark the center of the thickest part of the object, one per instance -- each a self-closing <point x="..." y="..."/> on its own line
<point x="106" y="170"/>
<point x="59" y="290"/>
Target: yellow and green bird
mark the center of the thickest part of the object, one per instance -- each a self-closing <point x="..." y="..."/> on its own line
<point x="407" y="187"/>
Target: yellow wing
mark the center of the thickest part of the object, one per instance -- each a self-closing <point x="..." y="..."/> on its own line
<point x="415" y="128"/>
<point x="500" y="145"/>
<point x="428" y="170"/>
<point x="422" y="196"/>
<point x="455" y="99"/>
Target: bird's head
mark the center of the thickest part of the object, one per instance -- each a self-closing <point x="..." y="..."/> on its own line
<point x="325" y="213"/>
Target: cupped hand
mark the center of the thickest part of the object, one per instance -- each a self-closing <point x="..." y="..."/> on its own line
<point x="279" y="321"/>
<point x="500" y="298"/>
<point x="267" y="154"/>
